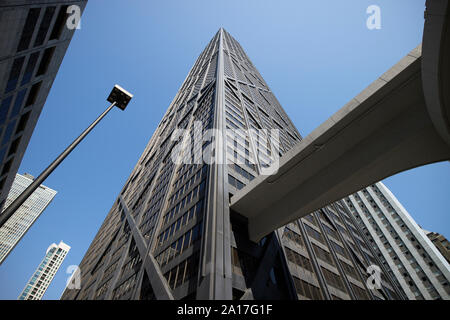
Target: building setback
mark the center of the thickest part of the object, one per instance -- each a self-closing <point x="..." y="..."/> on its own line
<point x="19" y="223"/>
<point x="441" y="243"/>
<point x="33" y="41"/>
<point x="421" y="270"/>
<point x="44" y="274"/>
<point x="171" y="234"/>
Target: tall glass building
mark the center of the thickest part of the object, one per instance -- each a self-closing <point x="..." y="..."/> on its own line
<point x="19" y="223"/>
<point x="44" y="274"/>
<point x="413" y="259"/>
<point x="34" y="37"/>
<point x="171" y="234"/>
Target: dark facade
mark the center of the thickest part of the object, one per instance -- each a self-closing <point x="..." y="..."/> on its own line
<point x="33" y="41"/>
<point x="171" y="234"/>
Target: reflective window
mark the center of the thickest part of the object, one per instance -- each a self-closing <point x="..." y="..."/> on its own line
<point x="45" y="62"/>
<point x="8" y="132"/>
<point x="18" y="103"/>
<point x="45" y="24"/>
<point x="4" y="109"/>
<point x="28" y="29"/>
<point x="59" y="23"/>
<point x="33" y="94"/>
<point x="30" y="68"/>
<point x="14" y="74"/>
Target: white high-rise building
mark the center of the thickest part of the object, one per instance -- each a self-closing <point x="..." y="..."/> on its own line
<point x="421" y="270"/>
<point x="19" y="223"/>
<point x="44" y="274"/>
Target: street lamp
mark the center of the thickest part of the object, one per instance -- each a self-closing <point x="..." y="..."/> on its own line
<point x="118" y="97"/>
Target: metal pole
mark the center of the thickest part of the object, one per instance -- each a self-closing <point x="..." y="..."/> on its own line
<point x="9" y="211"/>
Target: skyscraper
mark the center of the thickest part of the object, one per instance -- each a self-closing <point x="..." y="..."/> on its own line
<point x="421" y="270"/>
<point x="44" y="274"/>
<point x="33" y="41"/>
<point x="171" y="233"/>
<point x="19" y="223"/>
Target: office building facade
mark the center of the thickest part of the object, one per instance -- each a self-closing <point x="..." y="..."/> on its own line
<point x="44" y="274"/>
<point x="19" y="223"/>
<point x="421" y="270"/>
<point x="171" y="234"/>
<point x="34" y="38"/>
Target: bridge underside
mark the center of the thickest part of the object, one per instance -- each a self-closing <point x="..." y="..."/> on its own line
<point x="395" y="124"/>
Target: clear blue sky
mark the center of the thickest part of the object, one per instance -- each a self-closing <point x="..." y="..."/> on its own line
<point x="315" y="56"/>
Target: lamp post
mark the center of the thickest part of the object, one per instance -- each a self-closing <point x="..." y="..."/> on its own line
<point x="118" y="97"/>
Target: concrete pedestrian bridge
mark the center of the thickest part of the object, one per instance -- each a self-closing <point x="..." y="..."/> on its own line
<point x="399" y="122"/>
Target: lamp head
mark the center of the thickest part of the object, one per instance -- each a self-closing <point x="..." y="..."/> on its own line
<point x="120" y="96"/>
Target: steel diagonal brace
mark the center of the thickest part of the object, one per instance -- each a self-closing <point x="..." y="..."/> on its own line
<point x="158" y="282"/>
